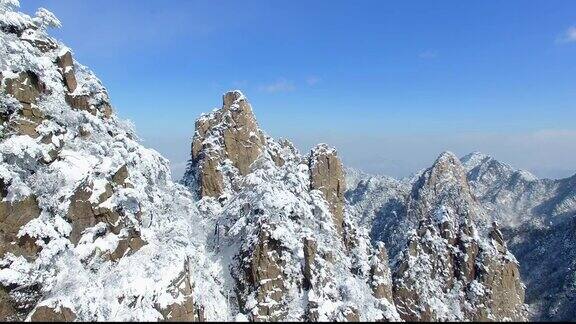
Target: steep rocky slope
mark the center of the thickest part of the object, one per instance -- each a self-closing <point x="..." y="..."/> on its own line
<point x="280" y="224"/>
<point x="508" y="194"/>
<point x="296" y="251"/>
<point x="91" y="227"/>
<point x="379" y="203"/>
<point x="453" y="268"/>
<point x="536" y="217"/>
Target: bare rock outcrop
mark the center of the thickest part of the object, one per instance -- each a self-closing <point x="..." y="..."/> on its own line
<point x="186" y="310"/>
<point x="264" y="277"/>
<point x="228" y="133"/>
<point x="53" y="314"/>
<point x="380" y="274"/>
<point x="451" y="270"/>
<point x="26" y="88"/>
<point x="66" y="67"/>
<point x="310" y="249"/>
<point x="7" y="310"/>
<point x="80" y="212"/>
<point x="80" y="102"/>
<point x="243" y="141"/>
<point x="327" y="175"/>
<point x="121" y="176"/>
<point x="84" y="212"/>
<point x="131" y="241"/>
<point x="85" y="98"/>
<point x="14" y="215"/>
<point x="502" y="277"/>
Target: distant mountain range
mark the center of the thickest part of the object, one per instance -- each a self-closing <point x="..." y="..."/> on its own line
<point x="92" y="228"/>
<point x="537" y="217"/>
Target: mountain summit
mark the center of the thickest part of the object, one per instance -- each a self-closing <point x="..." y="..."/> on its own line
<point x="92" y="228"/>
<point x="452" y="269"/>
<point x="280" y="224"/>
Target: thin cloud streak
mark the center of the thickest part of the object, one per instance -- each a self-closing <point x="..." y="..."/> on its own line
<point x="313" y="80"/>
<point x="569" y="36"/>
<point x="280" y="85"/>
<point x="428" y="54"/>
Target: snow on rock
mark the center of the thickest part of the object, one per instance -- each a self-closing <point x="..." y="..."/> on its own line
<point x="327" y="175"/>
<point x="537" y="217"/>
<point x="503" y="189"/>
<point x="452" y="269"/>
<point x="379" y="203"/>
<point x="288" y="247"/>
<point x="91" y="227"/>
<point x="226" y="139"/>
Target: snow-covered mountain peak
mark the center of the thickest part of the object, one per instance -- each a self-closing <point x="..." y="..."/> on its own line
<point x="444" y="185"/>
<point x="445" y="171"/>
<point x="473" y="159"/>
<point x="93" y="229"/>
<point x="225" y="144"/>
<point x="232" y="98"/>
<point x="91" y="226"/>
<point x="447" y="161"/>
<point x="449" y="257"/>
<point x="478" y="165"/>
<point x="323" y="149"/>
<point x="281" y="224"/>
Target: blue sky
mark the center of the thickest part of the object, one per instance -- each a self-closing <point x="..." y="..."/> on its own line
<point x="391" y="84"/>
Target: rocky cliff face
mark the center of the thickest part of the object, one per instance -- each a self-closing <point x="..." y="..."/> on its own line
<point x="327" y="175"/>
<point x="537" y="217"/>
<point x="228" y="137"/>
<point x="291" y="241"/>
<point x="280" y="224"/>
<point x="91" y="227"/>
<point x="451" y="270"/>
<point x="534" y="215"/>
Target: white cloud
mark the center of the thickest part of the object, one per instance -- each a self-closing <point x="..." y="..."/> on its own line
<point x="313" y="80"/>
<point x="280" y="85"/>
<point x="569" y="36"/>
<point x="428" y="54"/>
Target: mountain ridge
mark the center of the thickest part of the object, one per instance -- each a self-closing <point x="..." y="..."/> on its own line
<point x="93" y="228"/>
<point x="535" y="216"/>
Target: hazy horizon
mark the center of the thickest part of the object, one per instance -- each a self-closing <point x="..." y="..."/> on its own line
<point x="390" y="87"/>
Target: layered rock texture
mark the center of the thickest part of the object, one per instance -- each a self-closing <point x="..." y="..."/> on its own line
<point x="452" y="269"/>
<point x="228" y="137"/>
<point x="93" y="229"/>
<point x="537" y="217"/>
<point x="327" y="175"/>
<point x="279" y="221"/>
<point x="91" y="226"/>
<point x="534" y="216"/>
